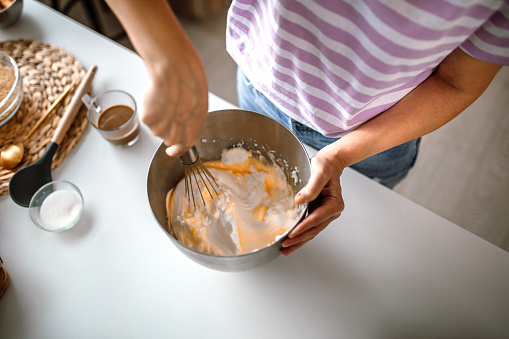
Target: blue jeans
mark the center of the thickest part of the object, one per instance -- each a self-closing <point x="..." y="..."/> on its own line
<point x="388" y="167"/>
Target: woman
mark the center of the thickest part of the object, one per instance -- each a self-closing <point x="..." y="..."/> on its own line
<point x="360" y="80"/>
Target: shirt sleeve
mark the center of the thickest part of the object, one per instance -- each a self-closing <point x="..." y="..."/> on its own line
<point x="490" y="42"/>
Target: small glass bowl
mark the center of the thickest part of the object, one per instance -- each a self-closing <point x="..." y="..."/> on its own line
<point x="10" y="99"/>
<point x="56" y="206"/>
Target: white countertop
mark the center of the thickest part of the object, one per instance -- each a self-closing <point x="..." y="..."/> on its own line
<point x="387" y="268"/>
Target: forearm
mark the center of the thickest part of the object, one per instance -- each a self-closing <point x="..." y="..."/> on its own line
<point x="158" y="37"/>
<point x="457" y="83"/>
<point x="175" y="103"/>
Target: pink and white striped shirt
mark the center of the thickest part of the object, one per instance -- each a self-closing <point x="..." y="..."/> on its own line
<point x="334" y="64"/>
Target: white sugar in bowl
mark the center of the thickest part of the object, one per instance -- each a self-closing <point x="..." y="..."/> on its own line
<point x="56" y="206"/>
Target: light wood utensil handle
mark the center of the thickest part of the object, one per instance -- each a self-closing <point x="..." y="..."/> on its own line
<point x="50" y="109"/>
<point x="74" y="105"/>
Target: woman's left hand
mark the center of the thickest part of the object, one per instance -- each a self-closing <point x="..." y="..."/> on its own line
<point x="323" y="192"/>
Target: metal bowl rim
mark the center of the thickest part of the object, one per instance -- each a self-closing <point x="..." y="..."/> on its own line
<point x="283" y="236"/>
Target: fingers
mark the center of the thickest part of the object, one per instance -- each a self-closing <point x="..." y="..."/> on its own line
<point x="323" y="192"/>
<point x="308" y="234"/>
<point x="323" y="170"/>
<point x="176" y="150"/>
<point x="178" y="137"/>
<point x="287" y="251"/>
<point x="322" y="213"/>
<point x="314" y="186"/>
<point x="292" y="244"/>
<point x="329" y="204"/>
<point x="174" y="115"/>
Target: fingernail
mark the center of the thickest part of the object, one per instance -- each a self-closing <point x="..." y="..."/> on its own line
<point x="298" y="198"/>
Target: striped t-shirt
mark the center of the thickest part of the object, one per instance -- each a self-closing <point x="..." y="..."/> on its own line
<point x="334" y="64"/>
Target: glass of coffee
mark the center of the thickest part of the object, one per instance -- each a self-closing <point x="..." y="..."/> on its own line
<point x="113" y="113"/>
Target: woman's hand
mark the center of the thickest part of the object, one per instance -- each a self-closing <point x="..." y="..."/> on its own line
<point x="323" y="192"/>
<point x="176" y="103"/>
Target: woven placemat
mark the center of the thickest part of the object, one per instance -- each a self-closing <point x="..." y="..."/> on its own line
<point x="47" y="70"/>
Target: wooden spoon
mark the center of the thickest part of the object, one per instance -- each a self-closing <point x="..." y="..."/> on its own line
<point x="26" y="181"/>
<point x="11" y="155"/>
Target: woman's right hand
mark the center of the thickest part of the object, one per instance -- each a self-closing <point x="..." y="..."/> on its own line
<point x="176" y="100"/>
<point x="176" y="103"/>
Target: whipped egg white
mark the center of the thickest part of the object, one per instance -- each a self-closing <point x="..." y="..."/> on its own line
<point x="254" y="208"/>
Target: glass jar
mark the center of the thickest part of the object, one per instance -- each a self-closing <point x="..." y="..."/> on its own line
<point x="11" y="88"/>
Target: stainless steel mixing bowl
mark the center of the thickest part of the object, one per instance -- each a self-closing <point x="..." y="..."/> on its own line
<point x="11" y="13"/>
<point x="225" y="129"/>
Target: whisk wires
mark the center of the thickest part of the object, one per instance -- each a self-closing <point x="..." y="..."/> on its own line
<point x="198" y="178"/>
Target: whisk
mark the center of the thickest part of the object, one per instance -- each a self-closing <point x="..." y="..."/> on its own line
<point x="197" y="177"/>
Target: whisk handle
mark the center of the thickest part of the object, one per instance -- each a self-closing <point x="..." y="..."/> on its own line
<point x="190" y="157"/>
